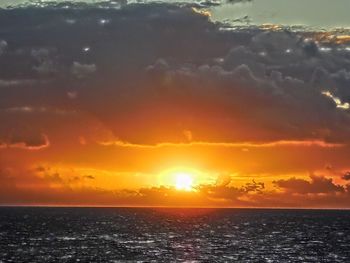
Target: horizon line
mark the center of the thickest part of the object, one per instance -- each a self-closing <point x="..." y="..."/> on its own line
<point x="171" y="207"/>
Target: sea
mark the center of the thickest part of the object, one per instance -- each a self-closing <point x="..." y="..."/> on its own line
<point x="52" y="234"/>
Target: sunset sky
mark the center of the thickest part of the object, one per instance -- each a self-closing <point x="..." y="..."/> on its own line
<point x="176" y="103"/>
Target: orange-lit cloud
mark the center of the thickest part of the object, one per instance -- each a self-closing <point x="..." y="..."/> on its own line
<point x="317" y="143"/>
<point x="39" y="143"/>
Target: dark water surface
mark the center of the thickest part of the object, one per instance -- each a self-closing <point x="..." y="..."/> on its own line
<point x="168" y="235"/>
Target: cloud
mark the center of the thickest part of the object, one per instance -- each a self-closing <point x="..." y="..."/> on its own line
<point x="228" y="192"/>
<point x="82" y="70"/>
<point x="223" y="180"/>
<point x="36" y="128"/>
<point x="346" y="176"/>
<point x="311" y="143"/>
<point x="22" y="141"/>
<point x="238" y="1"/>
<point x="317" y="185"/>
<point x="277" y="76"/>
<point x="90" y="177"/>
<point x="3" y="46"/>
<point x="18" y="82"/>
<point x="45" y="63"/>
<point x="262" y="94"/>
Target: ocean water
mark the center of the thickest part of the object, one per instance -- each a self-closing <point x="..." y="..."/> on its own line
<point x="169" y="235"/>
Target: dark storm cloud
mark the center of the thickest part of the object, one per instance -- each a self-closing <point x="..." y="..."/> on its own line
<point x="143" y="64"/>
<point x="290" y="107"/>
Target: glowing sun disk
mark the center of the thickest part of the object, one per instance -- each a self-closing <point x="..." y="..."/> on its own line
<point x="183" y="182"/>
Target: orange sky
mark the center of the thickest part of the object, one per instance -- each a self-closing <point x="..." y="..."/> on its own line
<point x="115" y="106"/>
<point x="134" y="175"/>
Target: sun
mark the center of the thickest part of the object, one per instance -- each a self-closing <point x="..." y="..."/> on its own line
<point x="183" y="182"/>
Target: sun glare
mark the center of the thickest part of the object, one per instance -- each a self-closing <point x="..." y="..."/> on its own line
<point x="183" y="182"/>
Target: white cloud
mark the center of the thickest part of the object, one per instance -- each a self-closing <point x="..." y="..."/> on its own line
<point x="82" y="70"/>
